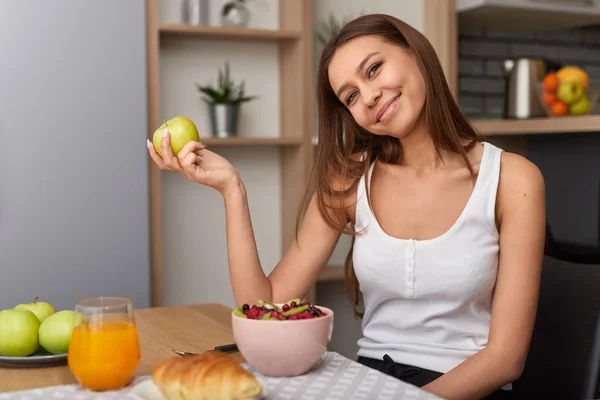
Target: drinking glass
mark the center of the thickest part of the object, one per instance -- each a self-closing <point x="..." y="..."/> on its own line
<point x="104" y="350"/>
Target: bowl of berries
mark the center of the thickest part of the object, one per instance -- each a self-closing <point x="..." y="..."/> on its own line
<point x="285" y="339"/>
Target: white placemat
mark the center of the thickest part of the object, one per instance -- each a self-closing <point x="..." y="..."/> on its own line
<point x="338" y="377"/>
<point x="335" y="377"/>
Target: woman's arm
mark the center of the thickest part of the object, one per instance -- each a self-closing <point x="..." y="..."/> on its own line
<point x="248" y="281"/>
<point x="299" y="268"/>
<point x="521" y="215"/>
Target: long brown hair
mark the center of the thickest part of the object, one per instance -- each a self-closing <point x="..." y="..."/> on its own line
<point x="340" y="137"/>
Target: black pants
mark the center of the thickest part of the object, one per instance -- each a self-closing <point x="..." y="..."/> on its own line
<point x="417" y="376"/>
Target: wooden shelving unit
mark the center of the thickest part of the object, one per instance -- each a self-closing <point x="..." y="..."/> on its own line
<point x="294" y="38"/>
<point x="535" y="126"/>
<point x="217" y="32"/>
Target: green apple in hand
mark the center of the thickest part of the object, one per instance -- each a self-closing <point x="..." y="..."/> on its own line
<point x="181" y="129"/>
<point x="581" y="106"/>
<point x="18" y="333"/>
<point x="42" y="310"/>
<point x="55" y="332"/>
<point x="570" y="92"/>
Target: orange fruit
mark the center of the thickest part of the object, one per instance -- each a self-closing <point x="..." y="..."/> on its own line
<point x="549" y="98"/>
<point x="559" y="108"/>
<point x="550" y="82"/>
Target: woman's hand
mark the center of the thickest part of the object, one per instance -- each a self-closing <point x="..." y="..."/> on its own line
<point x="196" y="163"/>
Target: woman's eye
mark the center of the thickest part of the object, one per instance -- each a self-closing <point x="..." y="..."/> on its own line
<point x="350" y="98"/>
<point x="373" y="69"/>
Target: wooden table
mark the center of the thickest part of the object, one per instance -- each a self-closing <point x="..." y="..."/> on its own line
<point x="194" y="328"/>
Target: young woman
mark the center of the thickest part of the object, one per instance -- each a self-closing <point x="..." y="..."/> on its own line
<point x="448" y="231"/>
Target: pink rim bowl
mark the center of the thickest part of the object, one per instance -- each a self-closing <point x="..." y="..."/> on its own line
<point x="283" y="348"/>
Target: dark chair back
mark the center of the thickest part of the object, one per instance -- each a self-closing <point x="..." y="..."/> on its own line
<point x="564" y="357"/>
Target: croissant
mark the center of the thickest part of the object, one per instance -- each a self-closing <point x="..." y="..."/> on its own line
<point x="207" y="376"/>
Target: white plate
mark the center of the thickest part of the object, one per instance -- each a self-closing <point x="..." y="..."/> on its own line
<point x="147" y="390"/>
<point x="39" y="359"/>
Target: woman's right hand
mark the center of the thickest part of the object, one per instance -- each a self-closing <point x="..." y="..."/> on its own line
<point x="196" y="163"/>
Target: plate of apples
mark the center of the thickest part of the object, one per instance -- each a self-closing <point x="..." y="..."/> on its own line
<point x="35" y="334"/>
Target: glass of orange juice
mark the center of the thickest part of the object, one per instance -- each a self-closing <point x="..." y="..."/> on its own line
<point x="104" y="350"/>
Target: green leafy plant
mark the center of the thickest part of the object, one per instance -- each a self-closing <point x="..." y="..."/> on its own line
<point x="226" y="91"/>
<point x="330" y="28"/>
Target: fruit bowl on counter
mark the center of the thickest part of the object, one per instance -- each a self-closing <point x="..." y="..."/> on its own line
<point x="286" y="339"/>
<point x="569" y="92"/>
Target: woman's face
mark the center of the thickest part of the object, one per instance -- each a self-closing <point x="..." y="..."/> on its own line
<point x="380" y="84"/>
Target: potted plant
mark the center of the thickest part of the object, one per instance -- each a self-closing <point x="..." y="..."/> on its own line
<point x="224" y="103"/>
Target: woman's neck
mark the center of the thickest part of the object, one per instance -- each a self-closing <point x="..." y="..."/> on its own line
<point x="419" y="152"/>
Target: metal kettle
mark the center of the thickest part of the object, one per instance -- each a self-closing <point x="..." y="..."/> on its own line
<point x="523" y="79"/>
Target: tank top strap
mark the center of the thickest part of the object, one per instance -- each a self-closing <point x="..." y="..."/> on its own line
<point x="489" y="177"/>
<point x="363" y="211"/>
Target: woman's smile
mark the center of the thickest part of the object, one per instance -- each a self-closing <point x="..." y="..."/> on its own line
<point x="387" y="110"/>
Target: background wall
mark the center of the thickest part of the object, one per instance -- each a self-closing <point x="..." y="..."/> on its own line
<point x="74" y="217"/>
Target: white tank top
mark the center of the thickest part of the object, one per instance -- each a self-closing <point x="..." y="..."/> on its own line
<point x="428" y="302"/>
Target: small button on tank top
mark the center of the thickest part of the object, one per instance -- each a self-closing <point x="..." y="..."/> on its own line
<point x="428" y="302"/>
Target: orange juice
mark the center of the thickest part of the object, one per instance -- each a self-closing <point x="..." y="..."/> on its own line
<point x="104" y="355"/>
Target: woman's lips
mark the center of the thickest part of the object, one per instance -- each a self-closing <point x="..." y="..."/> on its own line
<point x="387" y="109"/>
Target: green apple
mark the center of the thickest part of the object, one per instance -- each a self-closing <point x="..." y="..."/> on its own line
<point x="181" y="129"/>
<point x="581" y="106"/>
<point x="570" y="92"/>
<point x="55" y="332"/>
<point x="18" y="333"/>
<point x="41" y="309"/>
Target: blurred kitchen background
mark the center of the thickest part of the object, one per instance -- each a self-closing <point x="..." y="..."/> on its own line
<point x="83" y="84"/>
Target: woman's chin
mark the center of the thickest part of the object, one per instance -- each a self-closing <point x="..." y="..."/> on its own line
<point x="398" y="127"/>
<point x="404" y="127"/>
<point x="398" y="130"/>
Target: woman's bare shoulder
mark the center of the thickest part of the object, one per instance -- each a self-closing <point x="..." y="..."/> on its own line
<point x="519" y="178"/>
<point x="517" y="171"/>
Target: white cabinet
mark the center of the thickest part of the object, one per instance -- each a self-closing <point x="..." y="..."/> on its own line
<point x="528" y="14"/>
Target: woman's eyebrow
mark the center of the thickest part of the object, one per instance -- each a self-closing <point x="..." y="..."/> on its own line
<point x="360" y="66"/>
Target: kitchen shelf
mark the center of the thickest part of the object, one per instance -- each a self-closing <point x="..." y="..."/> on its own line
<point x="222" y="32"/>
<point x="252" y="141"/>
<point x="332" y="274"/>
<point x="295" y="63"/>
<point x="525" y="15"/>
<point x="550" y="125"/>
